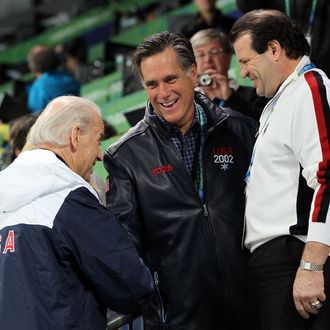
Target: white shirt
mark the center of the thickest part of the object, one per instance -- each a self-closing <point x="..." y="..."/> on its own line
<point x="289" y="139"/>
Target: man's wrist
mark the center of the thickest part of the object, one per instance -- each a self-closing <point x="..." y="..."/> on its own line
<point x="311" y="266"/>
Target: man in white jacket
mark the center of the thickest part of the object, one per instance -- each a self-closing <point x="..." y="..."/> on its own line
<point x="287" y="222"/>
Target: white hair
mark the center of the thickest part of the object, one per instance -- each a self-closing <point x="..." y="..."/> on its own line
<point x="54" y="124"/>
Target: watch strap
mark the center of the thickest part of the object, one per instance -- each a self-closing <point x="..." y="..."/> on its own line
<point x="306" y="265"/>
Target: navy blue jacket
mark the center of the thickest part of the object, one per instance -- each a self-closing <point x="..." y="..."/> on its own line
<point x="64" y="258"/>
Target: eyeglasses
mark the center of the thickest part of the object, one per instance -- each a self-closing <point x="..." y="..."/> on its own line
<point x="213" y="52"/>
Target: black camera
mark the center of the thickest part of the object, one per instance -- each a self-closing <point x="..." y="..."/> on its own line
<point x="204" y="80"/>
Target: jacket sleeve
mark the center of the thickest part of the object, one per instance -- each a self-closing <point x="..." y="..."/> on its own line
<point x="310" y="140"/>
<point x="122" y="201"/>
<point x="104" y="253"/>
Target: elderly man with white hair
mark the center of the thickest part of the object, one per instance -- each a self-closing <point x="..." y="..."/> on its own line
<point x="64" y="258"/>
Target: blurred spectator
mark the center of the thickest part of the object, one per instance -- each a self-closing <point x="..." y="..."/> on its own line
<point x="77" y="49"/>
<point x="75" y="57"/>
<point x="312" y="16"/>
<point x="5" y="150"/>
<point x="50" y="80"/>
<point x="18" y="131"/>
<point x="141" y="13"/>
<point x="208" y="16"/>
<point x="213" y="53"/>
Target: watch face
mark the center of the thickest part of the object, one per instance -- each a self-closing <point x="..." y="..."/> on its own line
<point x="310" y="266"/>
<point x="307" y="265"/>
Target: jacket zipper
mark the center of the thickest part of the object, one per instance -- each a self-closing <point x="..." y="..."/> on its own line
<point x="210" y="231"/>
<point x="244" y="220"/>
<point x="243" y="233"/>
<point x="205" y="210"/>
<point x="206" y="213"/>
<point x="162" y="311"/>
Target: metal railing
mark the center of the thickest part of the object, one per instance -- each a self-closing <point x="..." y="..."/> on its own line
<point x="116" y="321"/>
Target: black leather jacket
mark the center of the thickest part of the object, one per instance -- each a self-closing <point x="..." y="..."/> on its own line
<point x="194" y="250"/>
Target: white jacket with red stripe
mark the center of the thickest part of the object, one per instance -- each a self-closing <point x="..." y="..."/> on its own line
<point x="292" y="148"/>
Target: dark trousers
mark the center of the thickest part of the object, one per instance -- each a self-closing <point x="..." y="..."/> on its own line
<point x="273" y="268"/>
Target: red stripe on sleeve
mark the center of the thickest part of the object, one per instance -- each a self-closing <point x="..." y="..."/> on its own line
<point x="323" y="136"/>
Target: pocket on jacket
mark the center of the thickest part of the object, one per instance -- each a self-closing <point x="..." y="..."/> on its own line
<point x="155" y="312"/>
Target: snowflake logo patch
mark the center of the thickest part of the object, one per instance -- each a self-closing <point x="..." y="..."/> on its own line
<point x="224" y="156"/>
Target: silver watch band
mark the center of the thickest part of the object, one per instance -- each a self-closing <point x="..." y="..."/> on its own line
<point x="310" y="265"/>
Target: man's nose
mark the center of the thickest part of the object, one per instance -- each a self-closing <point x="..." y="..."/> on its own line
<point x="244" y="72"/>
<point x="99" y="156"/>
<point x="163" y="90"/>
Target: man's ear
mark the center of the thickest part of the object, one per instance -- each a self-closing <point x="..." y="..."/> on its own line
<point x="275" y="48"/>
<point x="74" y="137"/>
<point x="194" y="74"/>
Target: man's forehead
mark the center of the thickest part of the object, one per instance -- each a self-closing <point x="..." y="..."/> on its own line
<point x="100" y="125"/>
<point x="209" y="43"/>
<point x="244" y="38"/>
<point x="97" y="122"/>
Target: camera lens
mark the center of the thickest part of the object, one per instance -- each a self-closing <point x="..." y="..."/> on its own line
<point x="204" y="80"/>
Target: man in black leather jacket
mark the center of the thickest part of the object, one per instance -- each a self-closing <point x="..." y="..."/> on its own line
<point x="176" y="182"/>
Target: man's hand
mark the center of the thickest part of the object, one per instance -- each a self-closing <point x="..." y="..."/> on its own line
<point x="219" y="88"/>
<point x="308" y="288"/>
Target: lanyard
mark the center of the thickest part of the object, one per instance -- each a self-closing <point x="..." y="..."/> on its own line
<point x="273" y="102"/>
<point x="311" y="14"/>
<point x="305" y="68"/>
<point x="201" y="193"/>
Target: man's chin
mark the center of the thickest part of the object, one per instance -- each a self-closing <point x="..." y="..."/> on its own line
<point x="260" y="92"/>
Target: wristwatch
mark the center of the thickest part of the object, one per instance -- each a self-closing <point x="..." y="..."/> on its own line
<point x="310" y="265"/>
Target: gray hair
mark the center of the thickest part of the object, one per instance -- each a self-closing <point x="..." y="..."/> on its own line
<point x="157" y="43"/>
<point x="202" y="37"/>
<point x="54" y="124"/>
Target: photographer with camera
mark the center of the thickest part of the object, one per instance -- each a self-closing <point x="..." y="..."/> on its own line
<point x="213" y="53"/>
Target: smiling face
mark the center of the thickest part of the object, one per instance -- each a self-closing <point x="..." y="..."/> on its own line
<point x="261" y="69"/>
<point x="170" y="89"/>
